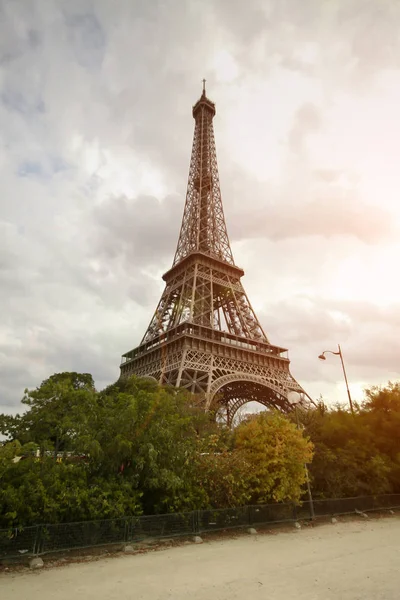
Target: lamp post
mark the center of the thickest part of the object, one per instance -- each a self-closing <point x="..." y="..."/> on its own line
<point x="339" y="353"/>
<point x="294" y="399"/>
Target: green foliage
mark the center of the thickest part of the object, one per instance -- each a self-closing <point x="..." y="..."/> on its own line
<point x="152" y="434"/>
<point x="261" y="462"/>
<point x="78" y="454"/>
<point x="276" y="452"/>
<point x="42" y="490"/>
<point x="222" y="472"/>
<point x="357" y="454"/>
<point x="138" y="444"/>
<point x="58" y="411"/>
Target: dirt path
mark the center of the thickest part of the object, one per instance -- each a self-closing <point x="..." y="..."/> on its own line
<point x="346" y="561"/>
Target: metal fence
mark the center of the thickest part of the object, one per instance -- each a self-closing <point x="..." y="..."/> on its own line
<point x="42" y="539"/>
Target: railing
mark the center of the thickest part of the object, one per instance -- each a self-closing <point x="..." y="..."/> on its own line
<point x="42" y="539"/>
<point x="205" y="333"/>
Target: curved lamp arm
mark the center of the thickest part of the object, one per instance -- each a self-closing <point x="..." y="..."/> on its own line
<point x="323" y="357"/>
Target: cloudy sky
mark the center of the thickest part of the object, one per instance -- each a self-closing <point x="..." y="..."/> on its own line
<point x="95" y="139"/>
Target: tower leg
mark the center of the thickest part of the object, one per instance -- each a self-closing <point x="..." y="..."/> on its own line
<point x="178" y="380"/>
<point x="208" y="396"/>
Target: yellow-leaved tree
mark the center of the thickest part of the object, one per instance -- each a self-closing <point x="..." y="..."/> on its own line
<point x="276" y="452"/>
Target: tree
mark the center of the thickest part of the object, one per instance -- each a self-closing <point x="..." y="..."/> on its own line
<point x="354" y="454"/>
<point x="138" y="447"/>
<point x="221" y="471"/>
<point x="44" y="491"/>
<point x="138" y="443"/>
<point x="383" y="399"/>
<point x="151" y="434"/>
<point x="382" y="415"/>
<point x="276" y="452"/>
<point x="58" y="411"/>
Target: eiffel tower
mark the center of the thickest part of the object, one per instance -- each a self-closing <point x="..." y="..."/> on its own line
<point x="204" y="335"/>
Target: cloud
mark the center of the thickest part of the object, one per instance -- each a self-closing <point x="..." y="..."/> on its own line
<point x="369" y="339"/>
<point x="87" y="38"/>
<point x="338" y="213"/>
<point x="143" y="231"/>
<point x="306" y="120"/>
<point x="309" y="200"/>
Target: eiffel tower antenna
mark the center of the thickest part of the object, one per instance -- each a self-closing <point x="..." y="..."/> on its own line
<point x="204" y="335"/>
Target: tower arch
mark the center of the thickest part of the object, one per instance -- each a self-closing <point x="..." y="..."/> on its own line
<point x="230" y="392"/>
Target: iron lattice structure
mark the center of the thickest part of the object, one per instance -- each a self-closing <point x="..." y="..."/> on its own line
<point x="204" y="335"/>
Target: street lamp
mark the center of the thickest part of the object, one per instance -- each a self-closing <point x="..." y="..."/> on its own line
<point x="294" y="399"/>
<point x="323" y="357"/>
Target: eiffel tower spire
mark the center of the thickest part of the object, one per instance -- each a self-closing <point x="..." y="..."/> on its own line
<point x="204" y="335"/>
<point x="203" y="225"/>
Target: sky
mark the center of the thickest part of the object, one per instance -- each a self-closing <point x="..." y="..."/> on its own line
<point x="95" y="139"/>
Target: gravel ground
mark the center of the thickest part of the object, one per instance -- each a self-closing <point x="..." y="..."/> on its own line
<point x="356" y="560"/>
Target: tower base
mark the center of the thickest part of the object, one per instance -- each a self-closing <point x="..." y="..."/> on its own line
<point x="224" y="370"/>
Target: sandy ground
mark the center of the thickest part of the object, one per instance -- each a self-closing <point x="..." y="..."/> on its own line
<point x="346" y="561"/>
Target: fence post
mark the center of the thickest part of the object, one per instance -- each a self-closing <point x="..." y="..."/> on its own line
<point x="37" y="540"/>
<point x="294" y="512"/>
<point x="126" y="530"/>
<point x="250" y="515"/>
<point x="194" y="519"/>
<point x="197" y="521"/>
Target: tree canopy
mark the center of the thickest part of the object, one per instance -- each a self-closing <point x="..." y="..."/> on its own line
<point x="356" y="454"/>
<point x="135" y="448"/>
